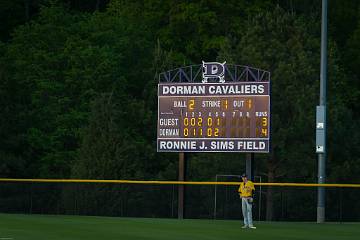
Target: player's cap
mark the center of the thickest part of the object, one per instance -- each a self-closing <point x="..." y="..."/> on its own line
<point x="243" y="175"/>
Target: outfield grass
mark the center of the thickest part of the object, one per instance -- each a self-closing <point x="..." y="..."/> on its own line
<point x="37" y="227"/>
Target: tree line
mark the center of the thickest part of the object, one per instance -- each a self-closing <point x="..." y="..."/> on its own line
<point x="78" y="85"/>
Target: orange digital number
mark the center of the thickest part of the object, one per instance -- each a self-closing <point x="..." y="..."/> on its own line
<point x="186" y="122"/>
<point x="191" y="104"/>
<point x="209" y="132"/>
<point x="264" y="132"/>
<point x="186" y="132"/>
<point x="209" y="122"/>
<point x="200" y="120"/>
<point x="264" y="121"/>
<point x="192" y="122"/>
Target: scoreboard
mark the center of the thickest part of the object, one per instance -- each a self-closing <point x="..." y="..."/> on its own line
<point x="213" y="117"/>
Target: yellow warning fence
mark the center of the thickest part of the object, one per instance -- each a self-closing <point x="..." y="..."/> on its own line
<point x="175" y="182"/>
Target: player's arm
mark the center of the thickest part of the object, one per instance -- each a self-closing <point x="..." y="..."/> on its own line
<point x="252" y="190"/>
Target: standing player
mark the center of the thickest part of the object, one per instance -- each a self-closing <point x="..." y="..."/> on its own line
<point x="246" y="191"/>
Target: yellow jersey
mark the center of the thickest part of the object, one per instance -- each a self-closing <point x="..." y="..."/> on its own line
<point x="246" y="189"/>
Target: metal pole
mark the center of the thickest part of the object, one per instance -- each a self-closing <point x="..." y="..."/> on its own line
<point x="323" y="79"/>
<point x="215" y="193"/>
<point x="260" y="201"/>
<point x="250" y="166"/>
<point x="181" y="187"/>
<point x="226" y="202"/>
<point x="216" y="179"/>
<point x="172" y="201"/>
<point x="31" y="198"/>
<point x="341" y="203"/>
<point x="282" y="204"/>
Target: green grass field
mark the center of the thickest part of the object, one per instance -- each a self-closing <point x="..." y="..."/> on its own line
<point x="37" y="227"/>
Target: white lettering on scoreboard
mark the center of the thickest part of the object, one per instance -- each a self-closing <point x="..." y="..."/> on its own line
<point x="214" y="145"/>
<point x="221" y="89"/>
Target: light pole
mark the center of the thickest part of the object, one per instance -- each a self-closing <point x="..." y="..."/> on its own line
<point x="321" y="118"/>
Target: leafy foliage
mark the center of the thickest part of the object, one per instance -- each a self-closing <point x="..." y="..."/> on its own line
<point x="78" y="84"/>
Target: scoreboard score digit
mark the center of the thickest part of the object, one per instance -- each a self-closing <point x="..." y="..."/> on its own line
<point x="214" y="117"/>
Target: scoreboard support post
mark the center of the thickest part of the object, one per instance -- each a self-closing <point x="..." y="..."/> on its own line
<point x="181" y="189"/>
<point x="250" y="166"/>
